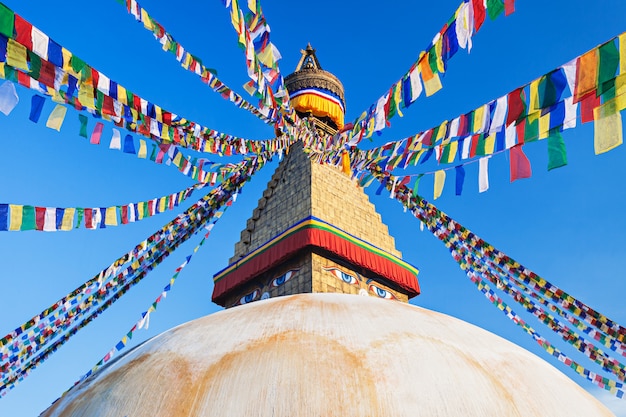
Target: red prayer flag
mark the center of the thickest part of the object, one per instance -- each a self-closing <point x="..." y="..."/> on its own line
<point x="107" y="106"/>
<point x="124" y="214"/>
<point x="520" y="165"/>
<point x="89" y="218"/>
<point x="427" y="140"/>
<point x="516" y="106"/>
<point x="40" y="217"/>
<point x="474" y="145"/>
<point x="23" y="79"/>
<point x="587" y="105"/>
<point x="47" y="73"/>
<point x="479" y="13"/>
<point x="520" y="129"/>
<point x="23" y="31"/>
<point x="509" y="7"/>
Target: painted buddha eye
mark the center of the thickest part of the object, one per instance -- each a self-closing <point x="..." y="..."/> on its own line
<point x="248" y="298"/>
<point x="277" y="282"/>
<point x="379" y="292"/>
<point x="347" y="278"/>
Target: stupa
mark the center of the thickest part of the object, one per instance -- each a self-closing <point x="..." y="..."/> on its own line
<point x="317" y="320"/>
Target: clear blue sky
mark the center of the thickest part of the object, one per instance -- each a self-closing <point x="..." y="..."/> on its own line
<point x="566" y="225"/>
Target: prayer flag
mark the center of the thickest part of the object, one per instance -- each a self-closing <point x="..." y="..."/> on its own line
<point x="483" y="174"/>
<point x="110" y="216"/>
<point x="479" y="13"/>
<point x="36" y="107"/>
<point x="97" y="132"/>
<point x="143" y="150"/>
<point x="83" y="125"/>
<point x="50" y="220"/>
<point x="16" y="55"/>
<point x="129" y="144"/>
<point x="67" y="221"/>
<point x="28" y="218"/>
<point x="55" y="120"/>
<point x="460" y="178"/>
<point x="607" y="66"/>
<point x="115" y="140"/>
<point x="440" y="179"/>
<point x="8" y="97"/>
<point x="7" y="18"/>
<point x="608" y="127"/>
<point x="4" y="208"/>
<point x="557" y="154"/>
<point x="519" y="164"/>
<point x="494" y="8"/>
<point x="586" y="74"/>
<point x="509" y="7"/>
<point x="15" y="219"/>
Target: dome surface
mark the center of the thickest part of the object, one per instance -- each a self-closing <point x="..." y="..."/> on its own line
<point x="328" y="355"/>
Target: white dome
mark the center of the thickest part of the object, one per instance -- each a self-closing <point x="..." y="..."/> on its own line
<point x="328" y="355"/>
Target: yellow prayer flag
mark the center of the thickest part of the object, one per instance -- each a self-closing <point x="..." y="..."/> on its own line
<point x="622" y="53"/>
<point x="165" y="133"/>
<point x="143" y="149"/>
<point x="178" y="160"/>
<point x="440" y="179"/>
<point x="490" y="143"/>
<point x="2" y="74"/>
<point x="479" y="119"/>
<point x="162" y="207"/>
<point x="15" y="220"/>
<point x="140" y="209"/>
<point x="145" y="18"/>
<point x="544" y="126"/>
<point x="534" y="96"/>
<point x="159" y="113"/>
<point x="56" y="117"/>
<point x="67" y="67"/>
<point x="16" y="55"/>
<point x="439" y="55"/>
<point x="442" y="131"/>
<point x="121" y="95"/>
<point x="67" y="223"/>
<point x="110" y="217"/>
<point x="454" y="146"/>
<point x="608" y="127"/>
<point x="433" y="85"/>
<point x="85" y="95"/>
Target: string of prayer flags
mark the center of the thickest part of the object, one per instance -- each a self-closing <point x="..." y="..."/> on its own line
<point x="189" y="61"/>
<point x="456" y="33"/>
<point x="70" y="80"/>
<point x="28" y="351"/>
<point x="8" y="97"/>
<point x="482" y="262"/>
<point x="51" y="219"/>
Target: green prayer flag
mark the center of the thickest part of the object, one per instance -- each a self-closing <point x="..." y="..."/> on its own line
<point x="557" y="155"/>
<point x="154" y="153"/>
<point x="83" y="125"/>
<point x="77" y="64"/>
<point x="531" y="131"/>
<point x="99" y="100"/>
<point x="35" y="65"/>
<point x="28" y="218"/>
<point x="432" y="60"/>
<point x="80" y="214"/>
<point x="416" y="185"/>
<point x="495" y="8"/>
<point x="480" y="146"/>
<point x="7" y="20"/>
<point x="10" y="73"/>
<point x="608" y="61"/>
